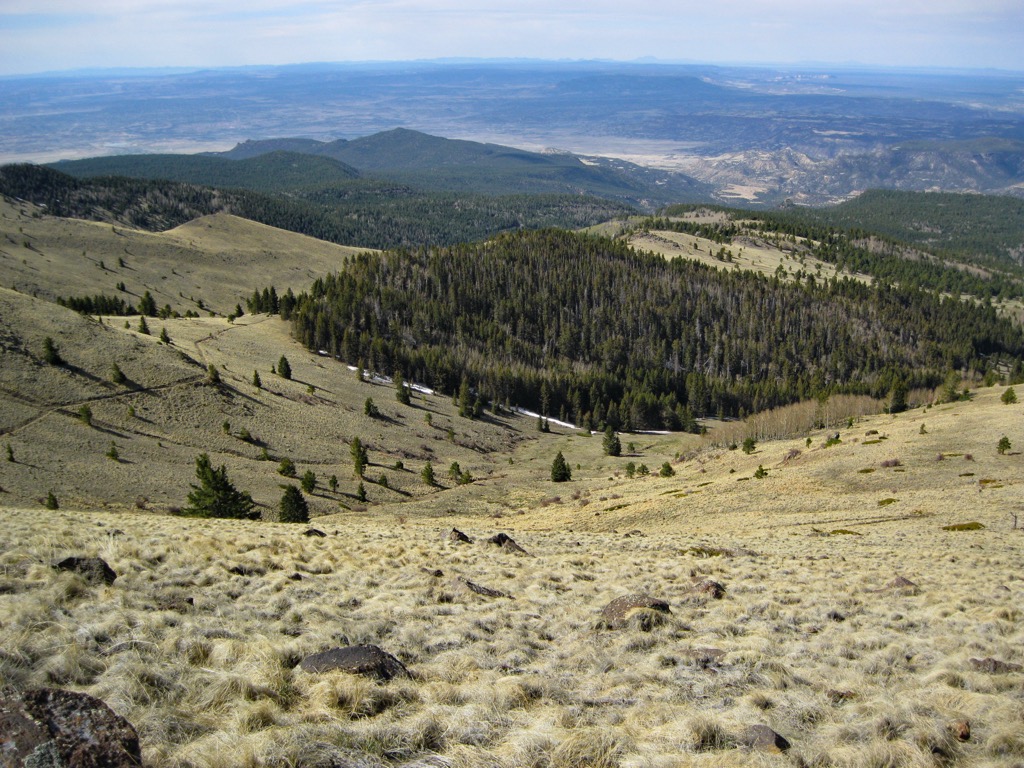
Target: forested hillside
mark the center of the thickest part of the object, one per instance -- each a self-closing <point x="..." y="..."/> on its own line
<point x="365" y="214"/>
<point x="591" y="330"/>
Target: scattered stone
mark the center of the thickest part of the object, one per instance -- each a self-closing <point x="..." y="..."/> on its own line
<point x="961" y="729"/>
<point x="480" y="589"/>
<point x="175" y="603"/>
<point x="840" y="697"/>
<point x="900" y="584"/>
<point x="314" y="532"/>
<point x="712" y="589"/>
<point x="703" y="657"/>
<point x="53" y="727"/>
<point x="508" y="544"/>
<point x="994" y="666"/>
<point x="619" y="611"/>
<point x="366" y="660"/>
<point x="459" y="537"/>
<point x="764" y="739"/>
<point x="93" y="569"/>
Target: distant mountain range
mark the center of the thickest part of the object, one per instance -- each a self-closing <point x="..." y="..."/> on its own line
<point x="753" y="136"/>
<point x="411" y="158"/>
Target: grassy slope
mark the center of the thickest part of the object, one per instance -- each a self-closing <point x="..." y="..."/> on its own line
<point x="530" y="681"/>
<point x="217" y="259"/>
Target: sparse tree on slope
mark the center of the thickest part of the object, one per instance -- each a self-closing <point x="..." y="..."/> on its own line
<point x="294" y="508"/>
<point x="215" y="496"/>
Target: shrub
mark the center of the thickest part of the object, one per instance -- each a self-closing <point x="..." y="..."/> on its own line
<point x="748" y="445"/>
<point x="761" y="472"/>
<point x="370" y="409"/>
<point x="1009" y="396"/>
<point x="286" y="468"/>
<point x="85" y="414"/>
<point x="666" y="470"/>
<point x="891" y="463"/>
<point x="560" y="471"/>
<point x="10" y="453"/>
<point x="117" y="375"/>
<point x="630" y="469"/>
<point x="112" y="452"/>
<point x="51" y="501"/>
<point x="294" y="508"/>
<point x="1003" y="445"/>
<point x="643" y="471"/>
<point x="212" y="374"/>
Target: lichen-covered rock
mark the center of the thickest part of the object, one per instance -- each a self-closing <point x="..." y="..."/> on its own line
<point x="619" y="611"/>
<point x="366" y="660"/>
<point x="764" y="739"/>
<point x="93" y="569"/>
<point x="64" y="729"/>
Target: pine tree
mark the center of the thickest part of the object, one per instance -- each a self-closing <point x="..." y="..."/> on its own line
<point x="749" y="445"/>
<point x="1009" y="397"/>
<point x="212" y="374"/>
<point x="164" y="336"/>
<point x="143" y="325"/>
<point x="1003" y="445"/>
<point x="309" y="481"/>
<point x="284" y="368"/>
<point x="332" y="482"/>
<point x="428" y="475"/>
<point x="286" y="467"/>
<point x="117" y="375"/>
<point x="256" y="380"/>
<point x="51" y="354"/>
<point x="465" y="406"/>
<point x="359" y="456"/>
<point x="51" y="501"/>
<point x="147" y="305"/>
<point x="294" y="508"/>
<point x="611" y="443"/>
<point x="560" y="471"/>
<point x="402" y="393"/>
<point x="666" y="470"/>
<point x="361" y="492"/>
<point x="215" y="496"/>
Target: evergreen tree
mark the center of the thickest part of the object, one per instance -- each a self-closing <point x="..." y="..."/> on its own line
<point x="370" y="408"/>
<point x="164" y="336"/>
<point x="332" y="482"/>
<point x="147" y="305"/>
<point x="1003" y="445"/>
<point x="112" y="452"/>
<point x="284" y="368"/>
<point x="51" y="501"/>
<point x="286" y="467"/>
<point x="361" y="492"/>
<point x="10" y="453"/>
<point x="666" y="470"/>
<point x="749" y="444"/>
<point x="309" y="481"/>
<point x="1009" y="397"/>
<point x="256" y="380"/>
<point x="294" y="508"/>
<point x="898" y="397"/>
<point x="85" y="415"/>
<point x="51" y="354"/>
<point x="143" y="325"/>
<point x="402" y="393"/>
<point x="428" y="475"/>
<point x="117" y="375"/>
<point x="611" y="443"/>
<point x="212" y="374"/>
<point x="560" y="471"/>
<point x="215" y="496"/>
<point x="359" y="456"/>
<point x="465" y="406"/>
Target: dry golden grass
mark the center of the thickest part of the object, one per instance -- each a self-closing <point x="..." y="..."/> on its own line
<point x="810" y="638"/>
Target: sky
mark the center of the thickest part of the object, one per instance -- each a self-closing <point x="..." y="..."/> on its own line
<point x="54" y="35"/>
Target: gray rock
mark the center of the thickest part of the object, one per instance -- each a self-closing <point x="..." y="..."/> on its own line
<point x="479" y="589"/>
<point x="764" y="739"/>
<point x="366" y="660"/>
<point x="619" y="611"/>
<point x="49" y="727"/>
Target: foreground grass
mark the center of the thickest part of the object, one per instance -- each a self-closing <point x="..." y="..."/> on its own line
<point x="814" y="644"/>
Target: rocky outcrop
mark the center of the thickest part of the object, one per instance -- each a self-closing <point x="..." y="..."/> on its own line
<point x="93" y="569"/>
<point x="621" y="610"/>
<point x="366" y="660"/>
<point x="51" y="727"/>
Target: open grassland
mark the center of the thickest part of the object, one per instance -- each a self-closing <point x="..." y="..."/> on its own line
<point x="210" y="263"/>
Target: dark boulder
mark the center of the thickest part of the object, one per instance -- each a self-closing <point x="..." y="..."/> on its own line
<point x="479" y="589"/>
<point x="53" y="727"/>
<point x="459" y="537"/>
<point x="366" y="660"/>
<point x="93" y="569"/>
<point x="315" y="533"/>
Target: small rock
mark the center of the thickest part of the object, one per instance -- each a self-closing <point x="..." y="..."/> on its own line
<point x="480" y="589"/>
<point x="508" y="544"/>
<point x="994" y="666"/>
<point x="961" y="729"/>
<point x="53" y="727"/>
<point x="900" y="584"/>
<point x="618" y="612"/>
<point x="708" y="587"/>
<point x="366" y="660"/>
<point x="763" y="738"/>
<point x="295" y="577"/>
<point x="459" y="537"/>
<point x="314" y="532"/>
<point x="835" y="616"/>
<point x="93" y="569"/>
